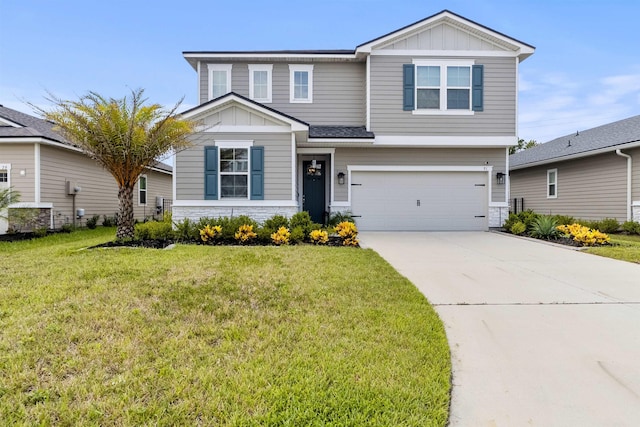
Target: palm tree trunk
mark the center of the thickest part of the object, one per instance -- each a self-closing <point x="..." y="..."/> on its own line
<point x="125" y="214"/>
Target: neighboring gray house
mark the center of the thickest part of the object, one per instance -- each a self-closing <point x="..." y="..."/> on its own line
<point x="408" y="131"/>
<point x="52" y="175"/>
<point x="589" y="174"/>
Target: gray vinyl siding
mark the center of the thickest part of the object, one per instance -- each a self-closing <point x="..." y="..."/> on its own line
<point x="338" y="91"/>
<point x="21" y="157"/>
<point x="277" y="164"/>
<point x="497" y="119"/>
<point x="589" y="188"/>
<point x="495" y="157"/>
<point x="99" y="194"/>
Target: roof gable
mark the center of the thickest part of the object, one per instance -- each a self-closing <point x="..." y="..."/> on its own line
<point x="236" y="110"/>
<point x="593" y="141"/>
<point x="448" y="32"/>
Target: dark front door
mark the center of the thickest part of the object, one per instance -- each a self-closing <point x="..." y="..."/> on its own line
<point x="313" y="196"/>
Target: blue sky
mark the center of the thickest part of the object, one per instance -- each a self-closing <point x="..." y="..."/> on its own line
<point x="585" y="72"/>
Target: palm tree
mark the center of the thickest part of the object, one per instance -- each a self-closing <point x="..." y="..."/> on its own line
<point x="125" y="136"/>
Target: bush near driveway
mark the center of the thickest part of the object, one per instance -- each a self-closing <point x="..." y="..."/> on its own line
<point x="214" y="335"/>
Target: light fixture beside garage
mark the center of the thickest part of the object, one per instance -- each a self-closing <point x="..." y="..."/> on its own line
<point x="341" y="178"/>
<point x="500" y="177"/>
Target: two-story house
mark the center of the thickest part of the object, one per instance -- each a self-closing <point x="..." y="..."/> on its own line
<point x="408" y="131"/>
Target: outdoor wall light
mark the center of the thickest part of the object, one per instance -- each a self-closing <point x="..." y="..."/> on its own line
<point x="341" y="178"/>
<point x="500" y="177"/>
<point x="23" y="172"/>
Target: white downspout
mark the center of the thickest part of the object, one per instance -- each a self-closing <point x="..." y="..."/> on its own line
<point x="629" y="174"/>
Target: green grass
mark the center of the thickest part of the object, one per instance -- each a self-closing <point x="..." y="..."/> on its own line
<point x="230" y="336"/>
<point x="623" y="247"/>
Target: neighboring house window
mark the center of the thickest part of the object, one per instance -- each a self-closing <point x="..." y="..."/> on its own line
<point x="552" y="183"/>
<point x="142" y="190"/>
<point x="4" y="176"/>
<point x="260" y="82"/>
<point x="441" y="87"/>
<point x="301" y="83"/>
<point x="234" y="170"/>
<point x="219" y="80"/>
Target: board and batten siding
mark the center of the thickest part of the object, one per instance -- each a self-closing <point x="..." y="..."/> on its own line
<point x="497" y="119"/>
<point x="21" y="157"/>
<point x="338" y="91"/>
<point x="590" y="188"/>
<point x="277" y="164"/>
<point x="99" y="191"/>
<point x="373" y="156"/>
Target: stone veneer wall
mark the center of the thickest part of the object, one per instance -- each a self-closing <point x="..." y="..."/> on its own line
<point x="259" y="213"/>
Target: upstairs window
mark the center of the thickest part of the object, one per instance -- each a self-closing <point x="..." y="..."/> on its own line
<point x="443" y="87"/>
<point x="219" y="80"/>
<point x="301" y="83"/>
<point x="552" y="183"/>
<point x="260" y="82"/>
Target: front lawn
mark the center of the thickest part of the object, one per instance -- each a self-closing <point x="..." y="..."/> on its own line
<point x="201" y="335"/>
<point x="623" y="247"/>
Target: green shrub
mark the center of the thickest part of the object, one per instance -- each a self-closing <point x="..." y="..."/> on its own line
<point x="40" y="231"/>
<point x="544" y="227"/>
<point x="297" y="235"/>
<point x="92" y="222"/>
<point x="186" y="231"/>
<point x="564" y="219"/>
<point x="153" y="231"/>
<point x="109" y="221"/>
<point x="608" y="225"/>
<point x="274" y="223"/>
<point x="631" y="227"/>
<point x="526" y="217"/>
<point x="67" y="228"/>
<point x="302" y="220"/>
<point x="518" y="228"/>
<point x="592" y="224"/>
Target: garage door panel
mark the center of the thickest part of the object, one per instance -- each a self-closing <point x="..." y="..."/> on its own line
<point x="419" y="200"/>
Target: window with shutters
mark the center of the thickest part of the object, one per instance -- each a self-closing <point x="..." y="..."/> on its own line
<point x="234" y="173"/>
<point x="234" y="170"/>
<point x="442" y="87"/>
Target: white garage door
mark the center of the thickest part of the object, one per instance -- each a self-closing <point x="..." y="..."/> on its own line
<point x="427" y="201"/>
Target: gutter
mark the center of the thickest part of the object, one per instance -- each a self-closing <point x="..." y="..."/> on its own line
<point x="629" y="175"/>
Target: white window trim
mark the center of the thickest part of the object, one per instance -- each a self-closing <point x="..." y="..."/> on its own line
<point x="146" y="190"/>
<point x="555" y="174"/>
<point x="234" y="144"/>
<point x="219" y="67"/>
<point x="300" y="67"/>
<point x="443" y="64"/>
<point x="261" y="67"/>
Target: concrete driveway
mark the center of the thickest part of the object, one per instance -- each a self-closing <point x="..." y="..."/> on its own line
<point x="540" y="335"/>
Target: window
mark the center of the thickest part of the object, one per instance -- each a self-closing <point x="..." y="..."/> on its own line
<point x="552" y="183"/>
<point x="301" y="83"/>
<point x="260" y="82"/>
<point x="234" y="172"/>
<point x="219" y="80"/>
<point x="443" y="87"/>
<point x="142" y="190"/>
<point x="4" y="176"/>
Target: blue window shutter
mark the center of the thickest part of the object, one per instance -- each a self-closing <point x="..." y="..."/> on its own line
<point x="211" y="173"/>
<point x="257" y="173"/>
<point x="408" y="85"/>
<point x="477" y="85"/>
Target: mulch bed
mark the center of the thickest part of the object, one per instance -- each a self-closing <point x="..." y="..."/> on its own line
<point x="161" y="244"/>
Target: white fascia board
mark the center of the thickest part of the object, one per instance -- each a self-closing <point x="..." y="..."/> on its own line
<point x="418" y="168"/>
<point x="231" y="203"/>
<point x="338" y="141"/>
<point x="150" y="168"/>
<point x="209" y="107"/>
<point x="611" y="149"/>
<point x="38" y="140"/>
<point x="446" y="141"/>
<point x="319" y="150"/>
<point x="32" y="205"/>
<point x="205" y="55"/>
<point x="448" y="53"/>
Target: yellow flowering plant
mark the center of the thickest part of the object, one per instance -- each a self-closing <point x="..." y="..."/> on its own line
<point x="281" y="237"/>
<point x="319" y="237"/>
<point x="584" y="235"/>
<point x="245" y="234"/>
<point x="209" y="233"/>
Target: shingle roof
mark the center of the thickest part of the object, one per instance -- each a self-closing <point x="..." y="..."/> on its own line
<point x="33" y="126"/>
<point x="340" y="132"/>
<point x="598" y="138"/>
